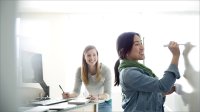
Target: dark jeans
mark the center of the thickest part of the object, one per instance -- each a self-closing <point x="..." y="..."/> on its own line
<point x="105" y="106"/>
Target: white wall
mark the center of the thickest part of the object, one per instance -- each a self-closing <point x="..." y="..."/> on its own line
<point x="61" y="38"/>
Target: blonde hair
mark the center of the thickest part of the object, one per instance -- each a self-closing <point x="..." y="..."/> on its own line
<point x="84" y="68"/>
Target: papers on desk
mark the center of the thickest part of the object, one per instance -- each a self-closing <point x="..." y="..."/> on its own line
<point x="38" y="109"/>
<point x="61" y="106"/>
<point x="79" y="101"/>
<point x="49" y="102"/>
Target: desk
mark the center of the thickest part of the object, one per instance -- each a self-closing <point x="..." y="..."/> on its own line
<point x="89" y="107"/>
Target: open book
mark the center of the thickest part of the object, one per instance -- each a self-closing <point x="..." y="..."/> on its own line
<point x="79" y="101"/>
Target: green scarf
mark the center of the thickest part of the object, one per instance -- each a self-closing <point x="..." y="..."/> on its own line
<point x="128" y="63"/>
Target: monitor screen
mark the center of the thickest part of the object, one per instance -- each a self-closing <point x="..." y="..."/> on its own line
<point x="32" y="69"/>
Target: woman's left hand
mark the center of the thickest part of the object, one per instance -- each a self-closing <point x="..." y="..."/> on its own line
<point x="92" y="97"/>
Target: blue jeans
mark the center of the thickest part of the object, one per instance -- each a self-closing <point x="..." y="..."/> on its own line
<point x="105" y="106"/>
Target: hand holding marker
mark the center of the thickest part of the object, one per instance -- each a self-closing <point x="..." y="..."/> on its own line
<point x="178" y="44"/>
<point x="168" y="45"/>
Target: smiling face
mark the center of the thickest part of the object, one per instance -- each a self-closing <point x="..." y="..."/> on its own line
<point x="91" y="57"/>
<point x="137" y="50"/>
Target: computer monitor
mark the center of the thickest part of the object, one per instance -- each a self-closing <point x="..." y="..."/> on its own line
<point x="32" y="69"/>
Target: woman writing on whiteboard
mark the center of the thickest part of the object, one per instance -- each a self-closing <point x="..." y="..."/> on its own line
<point x="96" y="77"/>
<point x="142" y="91"/>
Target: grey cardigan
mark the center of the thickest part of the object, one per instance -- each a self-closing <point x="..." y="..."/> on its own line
<point x="94" y="87"/>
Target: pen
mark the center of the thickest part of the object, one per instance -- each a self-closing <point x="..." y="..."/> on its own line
<point x="61" y="88"/>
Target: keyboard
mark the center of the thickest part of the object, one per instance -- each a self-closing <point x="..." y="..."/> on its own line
<point x="49" y="102"/>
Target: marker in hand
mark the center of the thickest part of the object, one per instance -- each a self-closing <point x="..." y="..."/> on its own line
<point x="61" y="88"/>
<point x="178" y="44"/>
<point x="168" y="45"/>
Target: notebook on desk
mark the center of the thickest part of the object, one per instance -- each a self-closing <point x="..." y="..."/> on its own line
<point x="61" y="106"/>
<point x="49" y="102"/>
<point x="79" y="101"/>
<point x="36" y="109"/>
